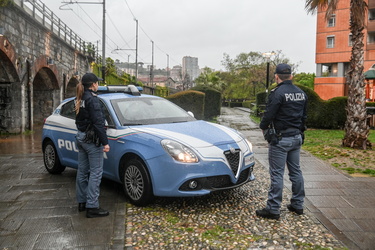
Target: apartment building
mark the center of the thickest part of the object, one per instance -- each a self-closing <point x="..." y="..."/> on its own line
<point x="190" y="67"/>
<point x="333" y="49"/>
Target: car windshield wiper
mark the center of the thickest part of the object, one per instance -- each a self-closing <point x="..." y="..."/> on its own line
<point x="130" y="123"/>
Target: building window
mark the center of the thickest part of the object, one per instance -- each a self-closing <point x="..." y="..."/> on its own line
<point x="371" y="14"/>
<point x="329" y="69"/>
<point x="371" y="38"/>
<point x="350" y="40"/>
<point x="332" y="21"/>
<point x="330" y="41"/>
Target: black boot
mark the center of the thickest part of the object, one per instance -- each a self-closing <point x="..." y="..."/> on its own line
<point x="296" y="210"/>
<point x="96" y="212"/>
<point x="264" y="213"/>
<point x="81" y="207"/>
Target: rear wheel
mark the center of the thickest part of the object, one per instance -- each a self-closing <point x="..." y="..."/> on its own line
<point x="137" y="183"/>
<point x="51" y="159"/>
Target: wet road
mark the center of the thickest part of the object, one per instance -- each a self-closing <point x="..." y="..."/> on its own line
<point x="39" y="211"/>
<point x="21" y="144"/>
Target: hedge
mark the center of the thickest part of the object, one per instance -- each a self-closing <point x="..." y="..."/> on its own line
<point x="212" y="101"/>
<point x="190" y="100"/>
<point x="321" y="114"/>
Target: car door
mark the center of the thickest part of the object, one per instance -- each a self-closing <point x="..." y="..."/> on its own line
<point x="64" y="135"/>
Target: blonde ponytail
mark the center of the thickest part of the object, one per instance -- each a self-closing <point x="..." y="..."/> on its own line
<point x="79" y="93"/>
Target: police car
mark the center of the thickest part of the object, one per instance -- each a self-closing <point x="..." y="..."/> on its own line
<point x="157" y="148"/>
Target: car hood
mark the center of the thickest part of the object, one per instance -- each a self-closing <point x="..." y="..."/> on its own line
<point x="197" y="134"/>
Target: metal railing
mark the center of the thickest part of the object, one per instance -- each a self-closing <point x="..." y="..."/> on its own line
<point x="42" y="14"/>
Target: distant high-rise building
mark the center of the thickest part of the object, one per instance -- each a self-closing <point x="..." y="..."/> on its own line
<point x="190" y="67"/>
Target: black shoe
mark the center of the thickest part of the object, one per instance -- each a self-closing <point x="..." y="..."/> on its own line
<point x="264" y="213"/>
<point x="292" y="209"/>
<point x="96" y="212"/>
<point x="81" y="207"/>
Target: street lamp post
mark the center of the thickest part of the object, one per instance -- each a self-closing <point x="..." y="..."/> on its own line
<point x="268" y="55"/>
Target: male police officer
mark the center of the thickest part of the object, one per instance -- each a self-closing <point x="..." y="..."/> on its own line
<point x="286" y="112"/>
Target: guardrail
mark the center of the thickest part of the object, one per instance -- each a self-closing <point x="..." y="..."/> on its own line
<point x="42" y="14"/>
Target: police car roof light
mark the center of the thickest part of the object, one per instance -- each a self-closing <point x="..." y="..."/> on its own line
<point x="127" y="89"/>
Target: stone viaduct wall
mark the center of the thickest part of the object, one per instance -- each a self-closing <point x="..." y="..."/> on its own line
<point x="41" y="62"/>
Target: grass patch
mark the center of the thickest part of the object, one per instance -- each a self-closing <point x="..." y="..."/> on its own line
<point x="326" y="145"/>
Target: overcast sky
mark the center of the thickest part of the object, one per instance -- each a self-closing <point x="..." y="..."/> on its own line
<point x="205" y="29"/>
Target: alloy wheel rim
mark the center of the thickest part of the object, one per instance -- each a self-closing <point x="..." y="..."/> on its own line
<point x="134" y="183"/>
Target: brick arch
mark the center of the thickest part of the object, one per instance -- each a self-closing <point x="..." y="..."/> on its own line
<point x="10" y="66"/>
<point x="44" y="72"/>
<point x="45" y="88"/>
<point x="71" y="87"/>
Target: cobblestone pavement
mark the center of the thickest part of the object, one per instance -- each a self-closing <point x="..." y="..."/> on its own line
<point x="226" y="220"/>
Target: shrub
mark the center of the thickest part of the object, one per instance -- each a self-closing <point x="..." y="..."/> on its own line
<point x="261" y="100"/>
<point x="190" y="100"/>
<point x="212" y="101"/>
<point x="235" y="104"/>
<point x="161" y="91"/>
<point x="248" y="104"/>
<point x="330" y="114"/>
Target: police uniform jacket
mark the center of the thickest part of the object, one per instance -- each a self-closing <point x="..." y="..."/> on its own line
<point x="286" y="108"/>
<point x="91" y="112"/>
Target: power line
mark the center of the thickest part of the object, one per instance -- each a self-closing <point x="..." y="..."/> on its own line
<point x="146" y="33"/>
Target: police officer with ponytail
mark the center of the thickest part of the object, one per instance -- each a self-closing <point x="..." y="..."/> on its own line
<point x="92" y="141"/>
<point x="286" y="114"/>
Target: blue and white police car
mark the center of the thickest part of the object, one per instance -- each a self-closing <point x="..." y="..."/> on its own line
<point x="157" y="148"/>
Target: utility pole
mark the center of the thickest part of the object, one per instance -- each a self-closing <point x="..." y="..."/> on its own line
<point x="103" y="30"/>
<point x="103" y="45"/>
<point x="97" y="52"/>
<point x="167" y="66"/>
<point x="152" y="66"/>
<point x="136" y="51"/>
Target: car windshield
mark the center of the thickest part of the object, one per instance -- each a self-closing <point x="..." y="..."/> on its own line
<point x="148" y="110"/>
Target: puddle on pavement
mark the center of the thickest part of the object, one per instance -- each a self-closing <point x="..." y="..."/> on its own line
<point x="21" y="144"/>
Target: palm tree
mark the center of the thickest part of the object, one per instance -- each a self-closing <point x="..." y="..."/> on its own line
<point x="356" y="129"/>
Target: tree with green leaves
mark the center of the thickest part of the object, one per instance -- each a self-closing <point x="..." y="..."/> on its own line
<point x="306" y="79"/>
<point x="247" y="73"/>
<point x="210" y="78"/>
<point x="356" y="128"/>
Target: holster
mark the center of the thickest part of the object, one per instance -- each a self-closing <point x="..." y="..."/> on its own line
<point x="91" y="136"/>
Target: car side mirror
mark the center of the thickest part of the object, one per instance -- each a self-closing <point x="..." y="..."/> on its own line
<point x="190" y="113"/>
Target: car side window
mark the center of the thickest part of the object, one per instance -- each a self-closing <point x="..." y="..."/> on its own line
<point x="67" y="110"/>
<point x="107" y="116"/>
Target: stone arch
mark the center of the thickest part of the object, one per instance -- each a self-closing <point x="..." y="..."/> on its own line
<point x="45" y="90"/>
<point x="71" y="87"/>
<point x="10" y="89"/>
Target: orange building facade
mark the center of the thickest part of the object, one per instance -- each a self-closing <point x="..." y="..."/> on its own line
<point x="333" y="49"/>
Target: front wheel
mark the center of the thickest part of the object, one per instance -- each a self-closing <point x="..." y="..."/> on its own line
<point x="137" y="183"/>
<point x="51" y="159"/>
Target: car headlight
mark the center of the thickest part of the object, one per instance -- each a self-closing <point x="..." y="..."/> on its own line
<point x="250" y="145"/>
<point x="179" y="152"/>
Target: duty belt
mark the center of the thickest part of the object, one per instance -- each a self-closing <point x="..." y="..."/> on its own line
<point x="290" y="132"/>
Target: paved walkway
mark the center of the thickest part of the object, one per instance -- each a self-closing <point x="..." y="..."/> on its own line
<point x="343" y="204"/>
<point x="39" y="211"/>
